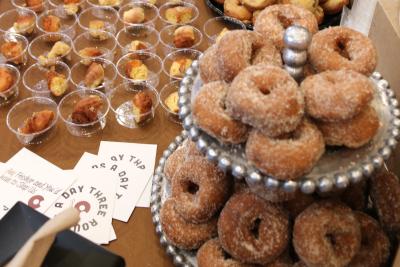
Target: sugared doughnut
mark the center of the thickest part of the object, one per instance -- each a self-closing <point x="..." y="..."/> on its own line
<point x="234" y="52"/>
<point x="210" y="115"/>
<point x="272" y="195"/>
<point x="352" y="133"/>
<point x="253" y="230"/>
<point x="385" y="195"/>
<point x="326" y="234"/>
<point x="336" y="95"/>
<point x="191" y="149"/>
<point x="211" y="254"/>
<point x="184" y="234"/>
<point x="274" y="20"/>
<point x="375" y="246"/>
<point x="209" y="68"/>
<point x="257" y="4"/>
<point x="174" y="162"/>
<point x="267" y="54"/>
<point x="286" y="157"/>
<point x="338" y="48"/>
<point x="267" y="98"/>
<point x="234" y="8"/>
<point x="200" y="190"/>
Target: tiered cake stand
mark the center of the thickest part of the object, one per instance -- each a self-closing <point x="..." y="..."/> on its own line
<point x="337" y="169"/>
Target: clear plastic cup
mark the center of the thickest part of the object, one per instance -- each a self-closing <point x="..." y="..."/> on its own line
<point x="177" y="56"/>
<point x="11" y="93"/>
<point x="106" y="14"/>
<point x="167" y="38"/>
<point x="150" y="13"/>
<point x="105" y="3"/>
<point x="66" y="108"/>
<point x="68" y="22"/>
<point x="143" y="33"/>
<point x="42" y="45"/>
<point x="35" y="79"/>
<point x="163" y="9"/>
<point x="121" y="102"/>
<point x="8" y="42"/>
<point x="36" y="8"/>
<point x="23" y="110"/>
<point x="79" y="72"/>
<point x="165" y="93"/>
<point x="60" y="4"/>
<point x="152" y="62"/>
<point x="213" y="27"/>
<point x="105" y="45"/>
<point x="9" y="18"/>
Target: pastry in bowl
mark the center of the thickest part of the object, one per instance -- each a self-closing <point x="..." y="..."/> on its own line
<point x="184" y="37"/>
<point x="37" y="122"/>
<point x="136" y="70"/>
<point x="179" y="67"/>
<point x="179" y="14"/>
<point x="24" y="24"/>
<point x="56" y="82"/>
<point x="85" y="110"/>
<point x="142" y="106"/>
<point x="12" y="51"/>
<point x="172" y="102"/>
<point x="135" y="15"/>
<point x="94" y="76"/>
<point x="6" y="79"/>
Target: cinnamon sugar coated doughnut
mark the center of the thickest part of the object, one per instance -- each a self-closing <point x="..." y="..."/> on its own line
<point x="211" y="254"/>
<point x="191" y="148"/>
<point x="274" y="20"/>
<point x="336" y="95"/>
<point x="253" y="230"/>
<point x="352" y="133"/>
<point x="258" y="4"/>
<point x="338" y="48"/>
<point x="173" y="163"/>
<point x="326" y="234"/>
<point x="184" y="234"/>
<point x="287" y="157"/>
<point x="200" y="190"/>
<point x="234" y="52"/>
<point x="267" y="54"/>
<point x="267" y="98"/>
<point x="385" y="195"/>
<point x="210" y="115"/>
<point x="208" y="64"/>
<point x="234" y="8"/>
<point x="375" y="246"/>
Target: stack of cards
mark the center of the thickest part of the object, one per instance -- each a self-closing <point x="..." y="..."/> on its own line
<point x="102" y="187"/>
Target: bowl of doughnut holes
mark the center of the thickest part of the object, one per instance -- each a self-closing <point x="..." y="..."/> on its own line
<point x="248" y="10"/>
<point x="206" y="218"/>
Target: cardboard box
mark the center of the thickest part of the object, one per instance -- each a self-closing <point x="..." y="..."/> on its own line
<point x="385" y="33"/>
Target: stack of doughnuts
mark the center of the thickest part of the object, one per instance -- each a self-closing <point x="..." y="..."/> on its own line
<point x="338" y="97"/>
<point x="248" y="98"/>
<point x="238" y="228"/>
<point x="198" y="192"/>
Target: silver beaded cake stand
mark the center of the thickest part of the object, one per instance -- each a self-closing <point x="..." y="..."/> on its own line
<point x="336" y="169"/>
<point x="159" y="193"/>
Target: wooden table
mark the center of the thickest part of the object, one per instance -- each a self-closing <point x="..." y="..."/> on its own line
<point x="137" y="241"/>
